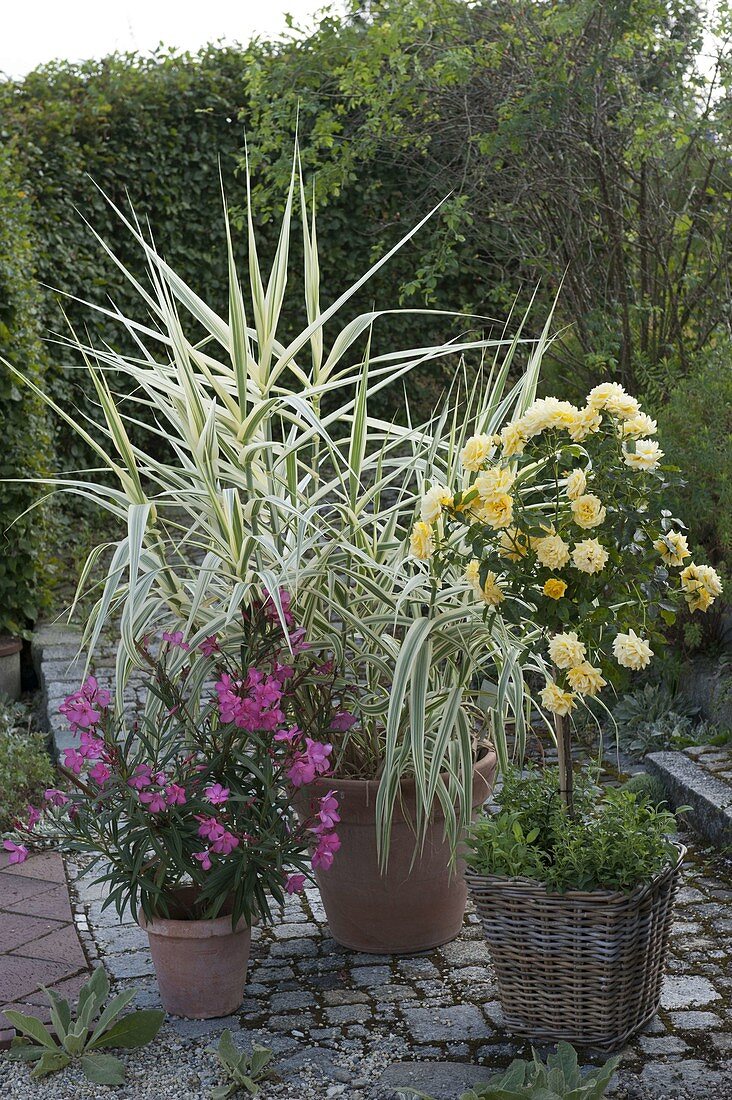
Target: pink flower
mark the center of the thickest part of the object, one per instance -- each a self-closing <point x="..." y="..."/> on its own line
<point x="325" y="669"/>
<point x="204" y="859"/>
<point x="73" y="760"/>
<point x="295" y="884"/>
<point x="294" y="733"/>
<point x="100" y="773"/>
<point x="209" y="646"/>
<point x="175" y="795"/>
<point x="91" y="747"/>
<point x="328" y="811"/>
<point x="318" y="753"/>
<point x="141" y="777"/>
<point x="176" y="640"/>
<point x="300" y="771"/>
<point x="225" y="844"/>
<point x="34" y="816"/>
<point x="210" y="828"/>
<point x="281" y="673"/>
<point x="323" y="855"/>
<point x="154" y="800"/>
<point x="343" y="721"/>
<point x="216" y="794"/>
<point x="271" y="611"/>
<point x="55" y="797"/>
<point x="83" y="707"/>
<point x="18" y="852"/>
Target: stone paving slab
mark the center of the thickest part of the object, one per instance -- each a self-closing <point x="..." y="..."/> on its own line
<point x="39" y="945"/>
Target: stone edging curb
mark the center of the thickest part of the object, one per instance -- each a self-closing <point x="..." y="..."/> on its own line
<point x="689" y="785"/>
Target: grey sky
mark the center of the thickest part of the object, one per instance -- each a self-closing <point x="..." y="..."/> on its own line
<point x="36" y="31"/>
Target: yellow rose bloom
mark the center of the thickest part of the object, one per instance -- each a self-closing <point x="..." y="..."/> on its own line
<point x="639" y="425"/>
<point x="588" y="511"/>
<point x="647" y="455"/>
<point x="513" y="440"/>
<point x="576" y="484"/>
<point x="498" y="511"/>
<point x="586" y="679"/>
<point x="554" y="588"/>
<point x="599" y="397"/>
<point x="547" y="412"/>
<point x="476" y="452"/>
<point x="566" y="650"/>
<point x="552" y="551"/>
<point x="491" y="591"/>
<point x="631" y="651"/>
<point x="513" y="544"/>
<point x="556" y="700"/>
<point x="584" y="423"/>
<point x="589" y="556"/>
<point x="494" y="482"/>
<point x="672" y="547"/>
<point x="624" y="407"/>
<point x="421" y="542"/>
<point x="433" y="502"/>
<point x="701" y="585"/>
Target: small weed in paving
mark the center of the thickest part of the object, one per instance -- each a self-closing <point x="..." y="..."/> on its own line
<point x="243" y="1070"/>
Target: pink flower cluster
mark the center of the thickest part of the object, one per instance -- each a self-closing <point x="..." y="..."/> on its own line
<point x="83" y="709"/>
<point x="252" y="703"/>
<point x="156" y="792"/>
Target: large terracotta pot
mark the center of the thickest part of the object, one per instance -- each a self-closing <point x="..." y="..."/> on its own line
<point x="419" y="903"/>
<point x="201" y="965"/>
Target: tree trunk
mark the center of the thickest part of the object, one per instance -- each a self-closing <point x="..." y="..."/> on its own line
<point x="564" y="752"/>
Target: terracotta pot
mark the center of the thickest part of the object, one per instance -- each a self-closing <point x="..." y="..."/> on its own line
<point x="10" y="666"/>
<point x="201" y="965"/>
<point x="414" y="906"/>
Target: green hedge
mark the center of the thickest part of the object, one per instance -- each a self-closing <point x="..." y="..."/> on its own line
<point x="150" y="130"/>
<point x="24" y="558"/>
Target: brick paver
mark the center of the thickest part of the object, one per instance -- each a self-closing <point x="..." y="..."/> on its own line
<point x="39" y="945"/>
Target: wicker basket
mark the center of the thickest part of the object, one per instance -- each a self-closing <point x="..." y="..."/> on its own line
<point x="583" y="967"/>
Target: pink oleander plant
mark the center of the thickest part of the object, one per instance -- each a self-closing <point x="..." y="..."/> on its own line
<point x="203" y="796"/>
<point x="559" y="521"/>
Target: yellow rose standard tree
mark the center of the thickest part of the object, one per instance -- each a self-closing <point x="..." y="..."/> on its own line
<point x="560" y="522"/>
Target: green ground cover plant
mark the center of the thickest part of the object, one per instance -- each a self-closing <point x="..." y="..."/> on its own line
<point x="559" y="1078"/>
<point x="245" y="1072"/>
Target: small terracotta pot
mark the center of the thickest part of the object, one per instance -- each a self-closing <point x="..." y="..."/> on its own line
<point x="10" y="666"/>
<point x="419" y="903"/>
<point x="201" y="965"/>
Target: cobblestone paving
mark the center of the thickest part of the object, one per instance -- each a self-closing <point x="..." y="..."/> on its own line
<point x="336" y="1019"/>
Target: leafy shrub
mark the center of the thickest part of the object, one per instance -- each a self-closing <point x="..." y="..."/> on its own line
<point x="25" y="766"/>
<point x="646" y="786"/>
<point x="85" y="1038"/>
<point x="615" y="840"/>
<point x="652" y="718"/>
<point x="559" y="1079"/>
<point x="26" y="440"/>
<point x="696" y="425"/>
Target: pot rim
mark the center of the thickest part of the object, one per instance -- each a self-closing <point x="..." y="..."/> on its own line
<point x="484" y="765"/>
<point x="10" y="645"/>
<point x="205" y="928"/>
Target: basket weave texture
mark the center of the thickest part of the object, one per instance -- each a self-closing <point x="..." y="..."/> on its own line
<point x="585" y="967"/>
